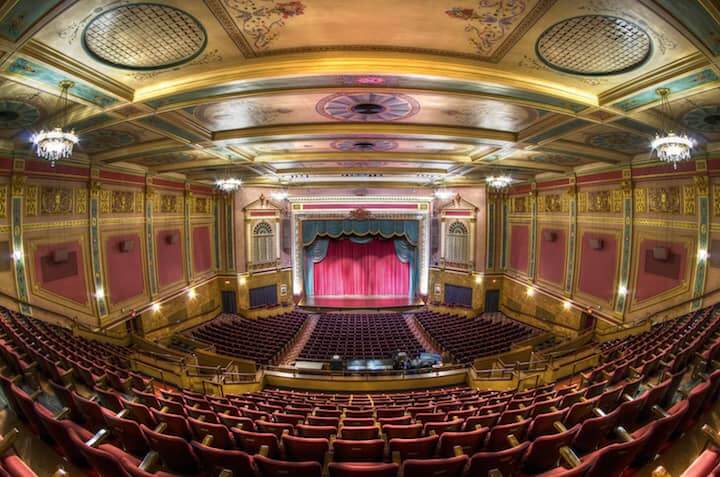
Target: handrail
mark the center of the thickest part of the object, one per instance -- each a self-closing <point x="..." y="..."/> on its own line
<point x="382" y="372"/>
<point x="520" y="312"/>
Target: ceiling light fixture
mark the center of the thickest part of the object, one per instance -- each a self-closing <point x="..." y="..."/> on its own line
<point x="443" y="194"/>
<point x="228" y="184"/>
<point x="57" y="143"/>
<point x="499" y="182"/>
<point x="668" y="145"/>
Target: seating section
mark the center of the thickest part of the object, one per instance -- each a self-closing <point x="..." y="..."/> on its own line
<point x="647" y="391"/>
<point x="262" y="340"/>
<point x="466" y="339"/>
<point x="360" y="336"/>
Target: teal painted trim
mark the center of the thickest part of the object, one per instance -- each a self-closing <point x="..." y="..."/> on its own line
<point x="570" y="267"/>
<point x="625" y="257"/>
<point x="558" y="130"/>
<point x="23" y="16"/>
<point x="676" y="86"/>
<point x="533" y="238"/>
<point x="703" y="241"/>
<point x="150" y="245"/>
<point x="229" y="236"/>
<point x="95" y="260"/>
<point x="21" y="283"/>
<point x="168" y="127"/>
<point x="51" y="78"/>
<point x="188" y="240"/>
<point x="696" y="19"/>
<point x="504" y="244"/>
<point x="490" y="254"/>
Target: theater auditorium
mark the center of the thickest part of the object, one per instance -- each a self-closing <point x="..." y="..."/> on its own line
<point x="369" y="238"/>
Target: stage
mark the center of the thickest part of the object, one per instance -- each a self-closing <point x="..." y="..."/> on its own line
<point x="325" y="303"/>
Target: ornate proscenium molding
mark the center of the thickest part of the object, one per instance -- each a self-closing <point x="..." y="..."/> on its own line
<point x="360" y="214"/>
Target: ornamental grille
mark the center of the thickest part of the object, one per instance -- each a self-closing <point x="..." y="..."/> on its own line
<point x="144" y="36"/>
<point x="594" y="45"/>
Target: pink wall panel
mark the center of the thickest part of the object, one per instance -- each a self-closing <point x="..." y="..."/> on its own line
<point x="202" y="255"/>
<point x="519" y="242"/>
<point x="66" y="279"/>
<point x="125" y="277"/>
<point x="596" y="273"/>
<point x="654" y="276"/>
<point x="169" y="256"/>
<point x="551" y="264"/>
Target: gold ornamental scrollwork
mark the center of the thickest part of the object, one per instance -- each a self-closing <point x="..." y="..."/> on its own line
<point x="664" y="200"/>
<point x="31" y="200"/>
<point x="3" y="201"/>
<point x="640" y="201"/>
<point x="689" y="199"/>
<point x="56" y="201"/>
<point x="81" y="199"/>
<point x="18" y="185"/>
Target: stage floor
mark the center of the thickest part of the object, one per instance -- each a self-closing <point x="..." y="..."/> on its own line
<point x="359" y="303"/>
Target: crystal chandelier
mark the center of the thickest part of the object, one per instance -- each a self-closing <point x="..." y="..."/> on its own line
<point x="228" y="184"/>
<point x="57" y="143"/>
<point x="499" y="182"/>
<point x="669" y="146"/>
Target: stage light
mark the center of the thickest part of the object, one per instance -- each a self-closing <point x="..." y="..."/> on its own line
<point x="156" y="307"/>
<point x="17" y="255"/>
<point x="530" y="291"/>
<point x="567" y="305"/>
<point x="622" y="290"/>
<point x="703" y="255"/>
<point x="192" y="294"/>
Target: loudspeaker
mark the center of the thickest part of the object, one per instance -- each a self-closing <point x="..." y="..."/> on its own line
<point x="172" y="238"/>
<point x="596" y="244"/>
<point x="661" y="254"/>
<point x="126" y="246"/>
<point x="549" y="236"/>
<point x="60" y="256"/>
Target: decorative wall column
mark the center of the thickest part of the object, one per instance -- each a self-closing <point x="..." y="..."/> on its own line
<point x="95" y="255"/>
<point x="229" y="203"/>
<point x="571" y="195"/>
<point x="216" y="234"/>
<point x="188" y="232"/>
<point x="150" y="198"/>
<point x="17" y="195"/>
<point x="505" y="204"/>
<point x="626" y="250"/>
<point x="533" y="232"/>
<point x="703" y="239"/>
<point x="490" y="229"/>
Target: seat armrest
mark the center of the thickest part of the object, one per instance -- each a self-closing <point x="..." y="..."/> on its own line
<point x="150" y="462"/>
<point x="569" y="456"/>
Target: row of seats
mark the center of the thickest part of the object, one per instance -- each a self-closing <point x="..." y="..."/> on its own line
<point x="262" y="340"/>
<point x="361" y="336"/>
<point x="469" y="338"/>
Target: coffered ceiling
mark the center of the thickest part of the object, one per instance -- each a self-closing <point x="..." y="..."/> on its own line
<point x="417" y="92"/>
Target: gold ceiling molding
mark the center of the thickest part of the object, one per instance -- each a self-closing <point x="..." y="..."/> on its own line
<point x="349" y="63"/>
<point x="399" y="130"/>
<point x="591" y="152"/>
<point x="361" y="156"/>
<point x="161" y="146"/>
<point x="199" y="164"/>
<point x="517" y="163"/>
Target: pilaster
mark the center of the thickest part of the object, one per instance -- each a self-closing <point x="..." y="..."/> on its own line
<point x="626" y="249"/>
<point x="17" y="195"/>
<point x="95" y="255"/>
<point x="703" y="230"/>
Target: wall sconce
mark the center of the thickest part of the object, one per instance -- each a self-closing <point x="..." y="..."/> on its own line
<point x="478" y="279"/>
<point x="192" y="294"/>
<point x="622" y="290"/>
<point x="567" y="305"/>
<point x="703" y="255"/>
<point x="17" y="255"/>
<point x="156" y="307"/>
<point x="530" y="291"/>
<point x="99" y="293"/>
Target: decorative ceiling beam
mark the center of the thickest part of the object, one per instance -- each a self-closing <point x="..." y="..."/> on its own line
<point x="190" y="165"/>
<point x="361" y="156"/>
<point x="528" y="164"/>
<point x="591" y="152"/>
<point x="146" y="149"/>
<point x="340" y="170"/>
<point x="398" y="130"/>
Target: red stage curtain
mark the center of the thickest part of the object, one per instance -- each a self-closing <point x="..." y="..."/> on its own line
<point x="370" y="269"/>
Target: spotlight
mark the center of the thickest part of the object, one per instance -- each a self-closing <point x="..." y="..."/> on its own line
<point x="156" y="307"/>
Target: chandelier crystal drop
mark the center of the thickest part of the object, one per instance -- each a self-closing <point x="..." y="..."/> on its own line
<point x="669" y="146"/>
<point x="498" y="182"/>
<point x="57" y="143"/>
<point x="229" y="184"/>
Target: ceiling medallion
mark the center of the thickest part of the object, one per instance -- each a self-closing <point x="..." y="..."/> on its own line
<point x="368" y="107"/>
<point x="57" y="143"/>
<point x="144" y="36"/>
<point x="594" y="45"/>
<point x="704" y="118"/>
<point x="17" y="114"/>
<point x="228" y="184"/>
<point x="364" y="145"/>
<point x="498" y="183"/>
<point x="668" y="145"/>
